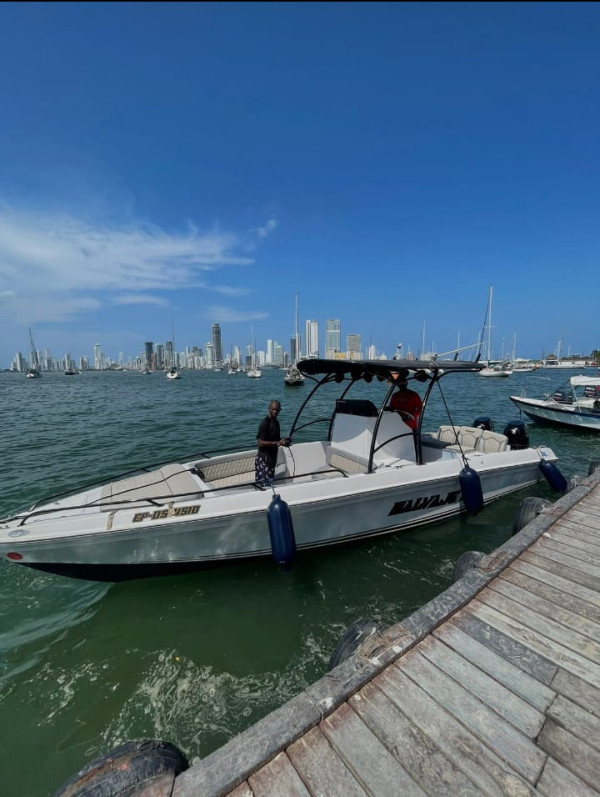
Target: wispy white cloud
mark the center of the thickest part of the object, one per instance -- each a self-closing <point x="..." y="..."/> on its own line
<point x="53" y="268"/>
<point x="140" y="298"/>
<point x="231" y="290"/>
<point x="266" y="229"/>
<point x="230" y="315"/>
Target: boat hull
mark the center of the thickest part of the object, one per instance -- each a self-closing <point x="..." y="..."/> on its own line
<point x="557" y="415"/>
<point x="129" y="543"/>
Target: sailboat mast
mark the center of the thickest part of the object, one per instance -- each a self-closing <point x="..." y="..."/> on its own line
<point x="490" y="327"/>
<point x="33" y="350"/>
<point x="297" y="344"/>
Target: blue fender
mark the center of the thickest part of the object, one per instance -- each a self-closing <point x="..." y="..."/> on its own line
<point x="470" y="487"/>
<point x="553" y="476"/>
<point x="281" y="530"/>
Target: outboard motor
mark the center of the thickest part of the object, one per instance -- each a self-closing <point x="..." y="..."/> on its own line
<point x="516" y="431"/>
<point x="484" y="422"/>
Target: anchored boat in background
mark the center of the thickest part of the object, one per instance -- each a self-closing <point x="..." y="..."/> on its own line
<point x="293" y="376"/>
<point x="575" y="403"/>
<point x="369" y="473"/>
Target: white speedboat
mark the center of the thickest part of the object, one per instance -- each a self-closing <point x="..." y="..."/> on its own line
<point x="33" y="373"/>
<point x="576" y="403"/>
<point x="173" y="373"/>
<point x="294" y="377"/>
<point x="369" y="475"/>
<point x="498" y="369"/>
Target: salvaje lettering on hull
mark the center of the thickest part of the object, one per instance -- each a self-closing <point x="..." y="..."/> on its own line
<point x="425" y="502"/>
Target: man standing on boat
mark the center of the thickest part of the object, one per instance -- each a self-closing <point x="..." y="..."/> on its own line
<point x="269" y="439"/>
<point x="406" y="402"/>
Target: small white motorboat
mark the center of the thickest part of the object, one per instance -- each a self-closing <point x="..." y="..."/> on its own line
<point x="173" y="373"/>
<point x="576" y="403"/>
<point x="370" y="474"/>
<point x="294" y="377"/>
<point x="497" y="369"/>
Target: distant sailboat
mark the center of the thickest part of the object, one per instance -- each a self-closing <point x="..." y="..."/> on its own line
<point x="34" y="371"/>
<point x="293" y="377"/>
<point x="253" y="372"/>
<point x="500" y="369"/>
<point x="173" y="373"/>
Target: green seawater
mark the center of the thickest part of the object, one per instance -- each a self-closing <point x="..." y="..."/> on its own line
<point x="195" y="659"/>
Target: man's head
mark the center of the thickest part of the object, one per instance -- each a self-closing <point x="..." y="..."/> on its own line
<point x="274" y="408"/>
<point x="399" y="377"/>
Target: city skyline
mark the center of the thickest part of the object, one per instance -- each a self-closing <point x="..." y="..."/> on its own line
<point x="211" y="352"/>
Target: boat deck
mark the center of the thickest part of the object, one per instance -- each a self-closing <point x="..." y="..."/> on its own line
<point x="491" y="688"/>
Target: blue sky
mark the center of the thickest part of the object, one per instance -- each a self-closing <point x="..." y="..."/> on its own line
<point x="389" y="162"/>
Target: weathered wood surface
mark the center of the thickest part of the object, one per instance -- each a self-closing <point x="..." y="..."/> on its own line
<point x="499" y="696"/>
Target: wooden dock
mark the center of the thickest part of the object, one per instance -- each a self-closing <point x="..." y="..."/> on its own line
<point x="491" y="688"/>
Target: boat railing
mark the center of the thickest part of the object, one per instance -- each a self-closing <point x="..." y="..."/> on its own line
<point x="108" y="503"/>
<point x="134" y="471"/>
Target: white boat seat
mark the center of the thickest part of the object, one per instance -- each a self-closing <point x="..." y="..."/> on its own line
<point x="160" y="485"/>
<point x="229" y="473"/>
<point x="447" y="434"/>
<point x="216" y="471"/>
<point x="461" y="438"/>
<point x="346" y="462"/>
<point x="468" y="438"/>
<point x="491" y="442"/>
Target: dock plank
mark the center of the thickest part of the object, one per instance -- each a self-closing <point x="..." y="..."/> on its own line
<point x="369" y="760"/>
<point x="582" y="523"/>
<point x="561" y="568"/>
<point x="552" y="594"/>
<point x="582" y="557"/>
<point x="321" y="769"/>
<point x="481" y="764"/>
<point x="570" y="534"/>
<point x="578" y="691"/>
<point x="422" y="758"/>
<point x="552" y="629"/>
<point x="571" y="752"/>
<point x="499" y="668"/>
<point x="482" y="721"/>
<point x="559" y="582"/>
<point x="531" y="662"/>
<point x="552" y="551"/>
<point x="278" y="777"/>
<point x="576" y="720"/>
<point x="545" y="608"/>
<point x="560" y="655"/>
<point x="556" y="779"/>
<point x="487" y="689"/>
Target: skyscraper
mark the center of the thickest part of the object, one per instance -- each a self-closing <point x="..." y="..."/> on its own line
<point x="353" y="347"/>
<point x="333" y="337"/>
<point x="217" y="346"/>
<point x="98" y="358"/>
<point x="148" y="351"/>
<point x="312" y="338"/>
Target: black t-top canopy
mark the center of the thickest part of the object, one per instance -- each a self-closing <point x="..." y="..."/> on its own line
<point x="382" y="369"/>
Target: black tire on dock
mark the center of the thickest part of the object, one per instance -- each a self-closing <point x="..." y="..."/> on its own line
<point x="529" y="509"/>
<point x="593" y="466"/>
<point x="122" y="769"/>
<point x="465" y="562"/>
<point x="351" y="640"/>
